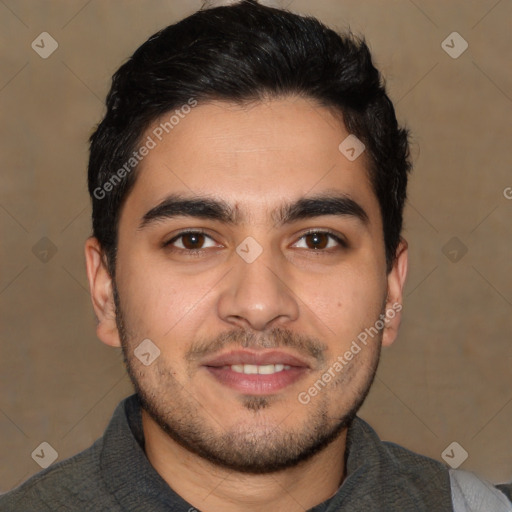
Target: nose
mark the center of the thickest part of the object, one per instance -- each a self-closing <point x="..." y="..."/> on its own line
<point x="257" y="295"/>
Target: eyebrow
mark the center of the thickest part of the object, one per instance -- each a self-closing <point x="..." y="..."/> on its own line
<point x="176" y="205"/>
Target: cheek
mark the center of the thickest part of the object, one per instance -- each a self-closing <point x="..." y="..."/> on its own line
<point x="162" y="305"/>
<point x="346" y="301"/>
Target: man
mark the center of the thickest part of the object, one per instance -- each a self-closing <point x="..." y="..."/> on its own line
<point x="248" y="183"/>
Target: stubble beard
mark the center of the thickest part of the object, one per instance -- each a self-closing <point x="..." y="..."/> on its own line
<point x="254" y="447"/>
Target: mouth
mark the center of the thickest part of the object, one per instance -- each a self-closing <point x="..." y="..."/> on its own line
<point x="257" y="373"/>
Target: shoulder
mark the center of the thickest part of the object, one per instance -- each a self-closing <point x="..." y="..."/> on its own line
<point x="470" y="493"/>
<point x="401" y="478"/>
<point x="72" y="484"/>
<point x="401" y="460"/>
<point x="417" y="473"/>
<point x="413" y="473"/>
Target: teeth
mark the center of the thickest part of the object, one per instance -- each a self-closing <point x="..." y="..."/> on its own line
<point x="250" y="368"/>
<point x="265" y="369"/>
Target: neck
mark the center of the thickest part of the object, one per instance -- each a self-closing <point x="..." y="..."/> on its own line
<point x="215" y="489"/>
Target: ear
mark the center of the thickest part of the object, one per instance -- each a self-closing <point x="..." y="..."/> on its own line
<point x="396" y="282"/>
<point x="100" y="286"/>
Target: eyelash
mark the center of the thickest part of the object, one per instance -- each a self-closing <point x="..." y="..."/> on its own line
<point x="198" y="252"/>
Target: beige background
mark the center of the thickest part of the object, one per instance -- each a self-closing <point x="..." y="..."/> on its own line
<point x="447" y="378"/>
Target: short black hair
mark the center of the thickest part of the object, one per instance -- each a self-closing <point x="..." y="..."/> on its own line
<point x="243" y="53"/>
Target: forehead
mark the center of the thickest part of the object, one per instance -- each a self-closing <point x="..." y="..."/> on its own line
<point x="254" y="157"/>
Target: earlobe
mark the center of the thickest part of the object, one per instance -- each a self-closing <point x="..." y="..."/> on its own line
<point x="396" y="283"/>
<point x="100" y="286"/>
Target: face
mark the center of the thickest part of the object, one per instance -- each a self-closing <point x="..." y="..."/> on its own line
<point x="251" y="255"/>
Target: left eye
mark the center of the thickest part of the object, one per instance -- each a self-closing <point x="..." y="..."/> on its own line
<point x="318" y="240"/>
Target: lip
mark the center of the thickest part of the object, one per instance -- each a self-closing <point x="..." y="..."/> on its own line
<point x="256" y="384"/>
<point x="258" y="358"/>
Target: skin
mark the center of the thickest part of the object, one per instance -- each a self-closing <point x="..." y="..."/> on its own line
<point x="217" y="447"/>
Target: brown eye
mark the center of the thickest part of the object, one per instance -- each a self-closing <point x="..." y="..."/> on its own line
<point x="321" y="241"/>
<point x="317" y="240"/>
<point x="193" y="241"/>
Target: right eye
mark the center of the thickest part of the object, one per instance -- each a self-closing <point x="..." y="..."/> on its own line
<point x="190" y="241"/>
